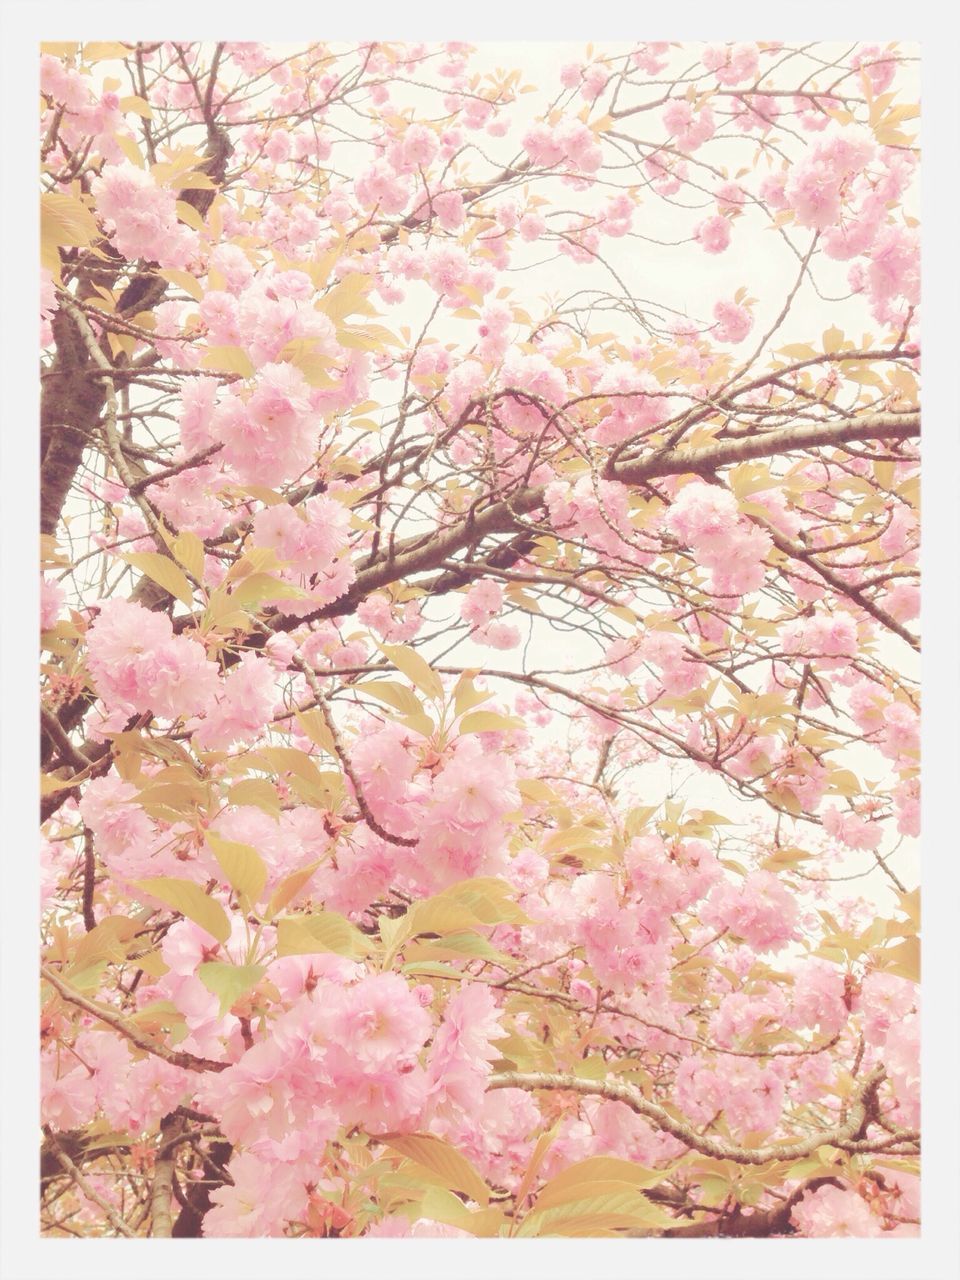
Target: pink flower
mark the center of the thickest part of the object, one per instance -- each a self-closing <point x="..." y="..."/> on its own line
<point x="820" y="636"/>
<point x="462" y="1048"/>
<point x="733" y="322"/>
<point x="474" y="789"/>
<point x="499" y="635"/>
<point x="51" y="602"/>
<point x="481" y="602"/>
<point x="902" y="601"/>
<point x="375" y="1024"/>
<point x="138" y="664"/>
<point x="143" y="216"/>
<point x="703" y="515"/>
<point x="531" y="226"/>
<point x="244" y="707"/>
<point x="885" y="1000"/>
<point x="760" y="910"/>
<point x="677" y="116"/>
<point x="733" y="64"/>
<point x="818" y="995"/>
<point x="264" y="1196"/>
<point x="713" y="234"/>
<point x="852" y="830"/>
<point x="830" y="1211"/>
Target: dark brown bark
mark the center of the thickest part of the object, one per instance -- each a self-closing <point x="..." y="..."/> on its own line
<point x="70" y="407"/>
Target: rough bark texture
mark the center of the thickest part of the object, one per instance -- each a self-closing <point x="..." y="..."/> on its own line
<point x="70" y="407"/>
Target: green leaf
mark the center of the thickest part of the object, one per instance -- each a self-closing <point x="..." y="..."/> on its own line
<point x="393" y="694"/>
<point x="64" y="221"/>
<point x="322" y="931"/>
<point x="289" y="887"/>
<point x="188" y="549"/>
<point x="489" y="898"/>
<point x="164" y="571"/>
<point x="229" y="981"/>
<point x="456" y="945"/>
<point x="489" y="722"/>
<point x="189" y="284"/>
<point x="256" y="588"/>
<point x="414" y="667"/>
<point x="257" y="792"/>
<point x="572" y="1181"/>
<point x="108" y="941"/>
<point x="315" y="727"/>
<point x="440" y="1158"/>
<point x="137" y="105"/>
<point x="437" y="915"/>
<point x="226" y="359"/>
<point x="245" y="870"/>
<point x="597" y="1215"/>
<point x="466" y="696"/>
<point x="187" y="897"/>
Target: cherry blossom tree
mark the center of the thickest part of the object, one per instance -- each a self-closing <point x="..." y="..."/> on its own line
<point x="479" y="627"/>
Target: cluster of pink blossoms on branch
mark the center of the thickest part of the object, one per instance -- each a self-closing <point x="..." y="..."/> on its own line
<point x="480" y="578"/>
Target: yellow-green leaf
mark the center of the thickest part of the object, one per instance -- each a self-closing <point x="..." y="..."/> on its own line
<point x="188" y="214"/>
<point x="229" y="981"/>
<point x="348" y="297"/>
<point x="189" y="284"/>
<point x="321" y="931"/>
<point x="130" y="149"/>
<point x="903" y="959"/>
<point x="289" y="887"/>
<point x="832" y="339"/>
<point x="66" y="220"/>
<point x="596" y="1215"/>
<point x="257" y="792"/>
<point x="490" y="899"/>
<point x="138" y="105"/>
<point x="577" y="1178"/>
<point x="256" y="588"/>
<point x="101" y="50"/>
<point x="393" y="694"/>
<point x="436" y="915"/>
<point x="164" y="571"/>
<point x="466" y="696"/>
<point x="187" y="897"/>
<point x="440" y="1205"/>
<point x="415" y="668"/>
<point x="188" y="549"/>
<point x="489" y="722"/>
<point x="245" y="870"/>
<point x="315" y="727"/>
<point x="227" y="359"/>
<point x="109" y="940"/>
<point x="440" y="1158"/>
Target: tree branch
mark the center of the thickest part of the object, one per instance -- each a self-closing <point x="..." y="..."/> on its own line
<point x="618" y="1091"/>
<point x="84" y="1186"/>
<point x="176" y="1057"/>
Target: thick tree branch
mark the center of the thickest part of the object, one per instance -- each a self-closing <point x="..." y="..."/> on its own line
<point x="858" y="1115"/>
<point x="161" y="1217"/>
